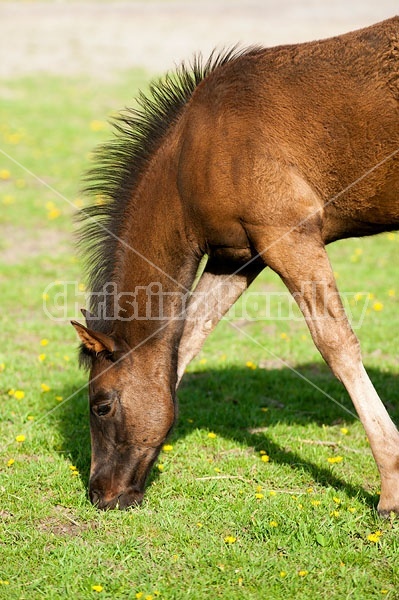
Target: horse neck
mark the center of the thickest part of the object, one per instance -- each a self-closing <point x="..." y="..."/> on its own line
<point x="156" y="265"/>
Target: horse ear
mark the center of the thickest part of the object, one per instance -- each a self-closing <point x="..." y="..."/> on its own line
<point x="88" y="316"/>
<point x="94" y="341"/>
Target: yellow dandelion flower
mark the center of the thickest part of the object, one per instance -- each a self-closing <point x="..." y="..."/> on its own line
<point x="273" y="524"/>
<point x="11" y="392"/>
<point x="374" y="537"/>
<point x="199" y="525"/>
<point x="391" y="293"/>
<point x="42" y="357"/>
<point x="139" y="595"/>
<point x="5" y="174"/>
<point x="303" y="573"/>
<point x="99" y="200"/>
<point x="217" y="470"/>
<point x="250" y="365"/>
<point x="334" y="513"/>
<point x="265" y="458"/>
<point x="223" y="357"/>
<point x="161" y="467"/>
<point x="97" y="125"/>
<point x="335" y="459"/>
<point x="316" y="502"/>
<point x="378" y="306"/>
<point x="149" y="597"/>
<point x="2" y="367"/>
<point x="283" y="573"/>
<point x="45" y="387"/>
<point x="284" y="336"/>
<point x="203" y="361"/>
<point x="66" y="358"/>
<point x="230" y="539"/>
<point x="264" y="408"/>
<point x="20" y="438"/>
<point x="43" y="342"/>
<point x="4" y="582"/>
<point x="14" y="138"/>
<point x="30" y="418"/>
<point x="310" y="490"/>
<point x="82" y="287"/>
<point x="272" y="493"/>
<point x="212" y="435"/>
<point x="167" y="448"/>
<point x="352" y="509"/>
<point x="384" y="591"/>
<point x="19" y="394"/>
<point x="59" y="398"/>
<point x="73" y="468"/>
<point x="97" y="588"/>
<point x="45" y="296"/>
<point x="259" y="496"/>
<point x="337" y="500"/>
<point x="54" y="213"/>
<point x="10" y="462"/>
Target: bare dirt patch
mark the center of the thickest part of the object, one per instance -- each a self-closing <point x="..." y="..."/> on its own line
<point x="19" y="244"/>
<point x="63" y="522"/>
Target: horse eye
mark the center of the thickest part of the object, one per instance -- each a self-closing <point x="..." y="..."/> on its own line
<point x="103" y="409"/>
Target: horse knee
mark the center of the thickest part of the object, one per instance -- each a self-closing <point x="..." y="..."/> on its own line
<point x="341" y="352"/>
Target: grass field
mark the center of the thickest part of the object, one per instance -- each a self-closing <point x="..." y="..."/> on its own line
<point x="218" y="521"/>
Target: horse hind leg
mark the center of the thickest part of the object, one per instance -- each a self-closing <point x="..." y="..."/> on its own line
<point x="303" y="264"/>
<point x="214" y="295"/>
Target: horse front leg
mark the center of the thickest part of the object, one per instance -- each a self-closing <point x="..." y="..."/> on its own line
<point x="214" y="295"/>
<point x="303" y="265"/>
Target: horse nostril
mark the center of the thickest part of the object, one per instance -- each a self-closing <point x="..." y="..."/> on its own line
<point x="95" y="497"/>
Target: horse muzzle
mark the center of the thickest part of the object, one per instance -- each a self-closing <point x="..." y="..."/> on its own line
<point x="130" y="497"/>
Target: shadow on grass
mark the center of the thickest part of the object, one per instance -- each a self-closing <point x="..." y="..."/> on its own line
<point x="228" y="401"/>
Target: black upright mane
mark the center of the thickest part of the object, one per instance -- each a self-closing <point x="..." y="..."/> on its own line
<point x="121" y="162"/>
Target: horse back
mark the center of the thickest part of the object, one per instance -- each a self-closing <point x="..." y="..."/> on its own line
<point x="278" y="133"/>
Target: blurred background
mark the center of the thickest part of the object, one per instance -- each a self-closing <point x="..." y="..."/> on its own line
<point x="99" y="37"/>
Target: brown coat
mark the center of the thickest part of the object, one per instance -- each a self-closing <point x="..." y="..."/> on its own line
<point x="257" y="159"/>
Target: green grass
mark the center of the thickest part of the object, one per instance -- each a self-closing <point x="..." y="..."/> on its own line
<point x="310" y="516"/>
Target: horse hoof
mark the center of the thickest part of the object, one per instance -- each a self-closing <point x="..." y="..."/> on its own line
<point x="386" y="513"/>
